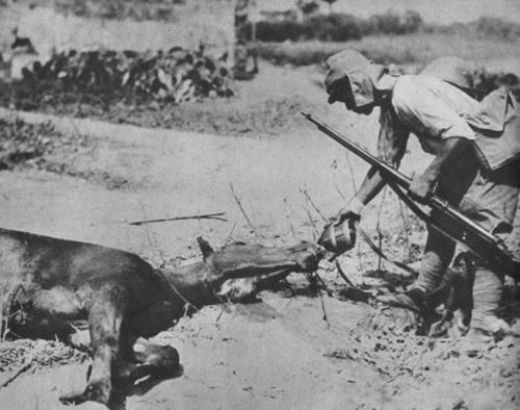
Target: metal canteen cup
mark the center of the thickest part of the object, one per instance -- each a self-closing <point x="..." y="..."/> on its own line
<point x="339" y="238"/>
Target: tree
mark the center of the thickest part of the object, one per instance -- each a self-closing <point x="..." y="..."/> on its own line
<point x="307" y="7"/>
<point x="330" y="3"/>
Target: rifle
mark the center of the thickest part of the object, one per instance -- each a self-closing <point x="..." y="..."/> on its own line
<point x="447" y="219"/>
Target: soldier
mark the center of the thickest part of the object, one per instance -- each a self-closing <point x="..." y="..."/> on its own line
<point x="476" y="146"/>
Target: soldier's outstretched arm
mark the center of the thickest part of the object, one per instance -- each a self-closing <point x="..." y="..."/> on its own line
<point x="391" y="147"/>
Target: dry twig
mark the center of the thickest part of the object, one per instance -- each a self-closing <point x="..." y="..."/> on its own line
<point x="354" y="185"/>
<point x="239" y="203"/>
<point x="310" y="201"/>
<point x="340" y="193"/>
<point x="289" y="219"/>
<point x="325" y="317"/>
<point x="344" y="276"/>
<point x="313" y="225"/>
<point x="320" y="279"/>
<point x="230" y="234"/>
<point x="3" y="321"/>
<point x="378" y="229"/>
<point x="215" y="216"/>
<point x="19" y="372"/>
<point x="406" y="225"/>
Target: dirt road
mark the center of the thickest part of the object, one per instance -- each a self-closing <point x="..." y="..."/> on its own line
<point x="279" y="353"/>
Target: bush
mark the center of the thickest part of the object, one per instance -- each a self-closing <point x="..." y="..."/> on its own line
<point x="488" y="27"/>
<point x="138" y="10"/>
<point x="333" y="27"/>
<point x="417" y="48"/>
<point x="277" y="31"/>
<point x="338" y="27"/>
<point x="315" y="52"/>
<point x="491" y="26"/>
<point x="23" y="144"/>
<point x="391" y="23"/>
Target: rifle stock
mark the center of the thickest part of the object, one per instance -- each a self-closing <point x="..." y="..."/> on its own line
<point x="452" y="223"/>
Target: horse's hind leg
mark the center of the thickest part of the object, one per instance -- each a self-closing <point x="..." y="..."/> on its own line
<point x="142" y="358"/>
<point x="150" y="360"/>
<point x="105" y="314"/>
<point x="160" y="360"/>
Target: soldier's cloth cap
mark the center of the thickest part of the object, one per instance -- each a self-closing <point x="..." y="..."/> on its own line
<point x="361" y="73"/>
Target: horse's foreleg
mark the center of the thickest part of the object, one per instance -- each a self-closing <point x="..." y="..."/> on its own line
<point x="105" y="315"/>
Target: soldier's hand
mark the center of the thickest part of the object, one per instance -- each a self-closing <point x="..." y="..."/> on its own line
<point x="339" y="234"/>
<point x="421" y="188"/>
<point x="342" y="215"/>
<point x="351" y="211"/>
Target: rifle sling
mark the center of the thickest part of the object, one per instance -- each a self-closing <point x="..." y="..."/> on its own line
<point x="378" y="251"/>
<point x="425" y="217"/>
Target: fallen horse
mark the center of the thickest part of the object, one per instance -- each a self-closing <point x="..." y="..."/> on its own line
<point x="54" y="283"/>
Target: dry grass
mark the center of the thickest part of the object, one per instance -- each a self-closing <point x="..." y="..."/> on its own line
<point x="42" y="353"/>
<point x="3" y="320"/>
<point x="18" y="354"/>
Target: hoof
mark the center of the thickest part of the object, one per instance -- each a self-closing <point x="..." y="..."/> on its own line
<point x="91" y="405"/>
<point x="97" y="390"/>
<point x="122" y="372"/>
<point x="73" y="398"/>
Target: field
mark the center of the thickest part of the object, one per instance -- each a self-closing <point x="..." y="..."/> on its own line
<point x="415" y="49"/>
<point x="105" y="170"/>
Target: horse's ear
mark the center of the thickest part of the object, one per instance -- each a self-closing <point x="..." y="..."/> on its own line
<point x="205" y="248"/>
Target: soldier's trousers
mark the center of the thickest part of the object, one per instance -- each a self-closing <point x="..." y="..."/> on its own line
<point x="488" y="198"/>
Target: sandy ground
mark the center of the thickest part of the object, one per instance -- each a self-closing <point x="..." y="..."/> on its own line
<point x="280" y="352"/>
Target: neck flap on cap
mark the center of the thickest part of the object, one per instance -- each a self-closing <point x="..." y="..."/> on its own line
<point x="361" y="74"/>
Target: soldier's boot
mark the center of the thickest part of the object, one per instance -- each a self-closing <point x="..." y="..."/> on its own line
<point x="486" y="328"/>
<point x="412" y="299"/>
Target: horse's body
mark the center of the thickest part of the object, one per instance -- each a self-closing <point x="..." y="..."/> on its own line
<point x="54" y="283"/>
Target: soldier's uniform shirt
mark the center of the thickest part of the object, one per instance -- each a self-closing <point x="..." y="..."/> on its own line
<point x="434" y="110"/>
